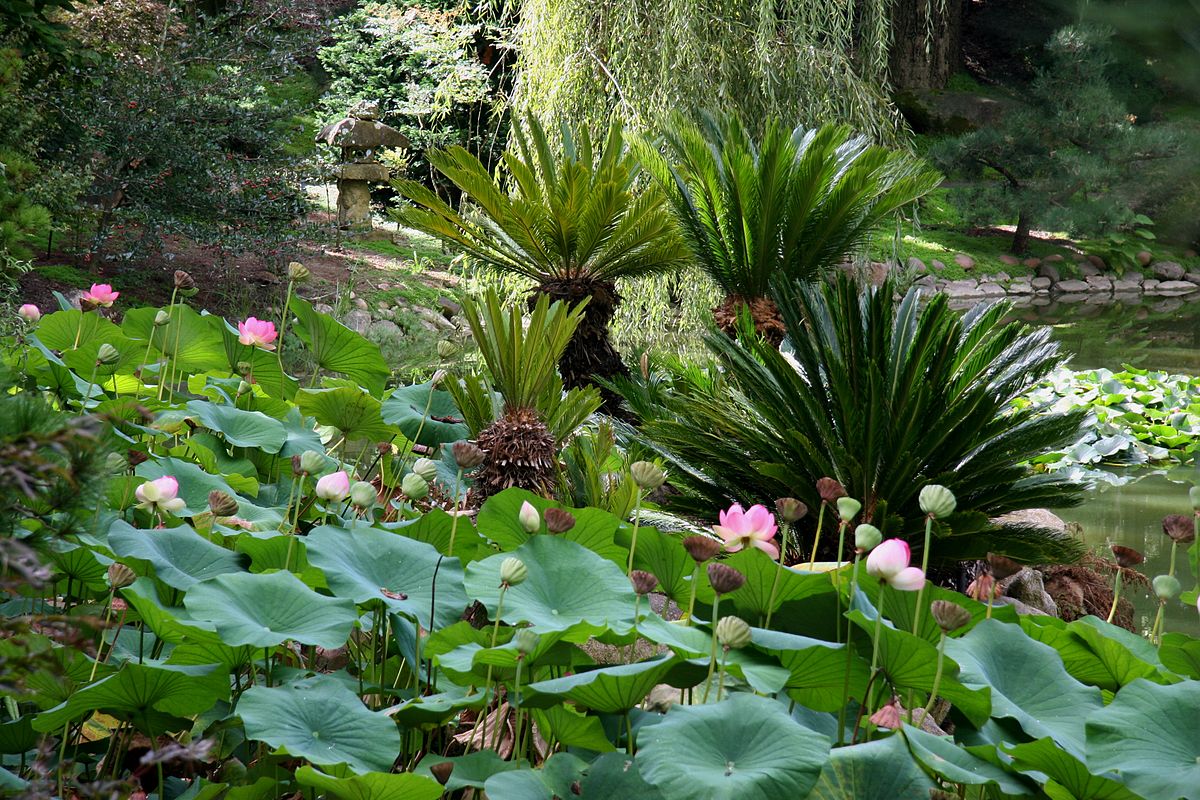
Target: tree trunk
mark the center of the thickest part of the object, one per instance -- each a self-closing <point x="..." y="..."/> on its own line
<point x="1020" y="242"/>
<point x="925" y="52"/>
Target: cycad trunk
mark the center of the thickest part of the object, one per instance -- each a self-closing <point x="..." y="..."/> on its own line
<point x="590" y="351"/>
<point x="764" y="312"/>
<point x="520" y="452"/>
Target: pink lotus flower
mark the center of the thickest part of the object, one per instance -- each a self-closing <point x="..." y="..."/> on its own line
<point x="257" y="332"/>
<point x="753" y="528"/>
<point x="334" y="487"/>
<point x="100" y="295"/>
<point x="889" y="563"/>
<point x="160" y="494"/>
<point x="29" y="312"/>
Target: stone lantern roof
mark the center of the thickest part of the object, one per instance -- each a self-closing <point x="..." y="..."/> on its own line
<point x="362" y="130"/>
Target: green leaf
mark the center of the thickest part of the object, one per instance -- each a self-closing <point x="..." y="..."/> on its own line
<point x="1181" y="654"/>
<point x="194" y="483"/>
<point x="1045" y="757"/>
<point x="59" y="330"/>
<point x="321" y="720"/>
<point x="616" y="689"/>
<point x="240" y="428"/>
<point x="752" y="600"/>
<point x="371" y="786"/>
<point x="567" y="586"/>
<point x="617" y="775"/>
<point x="269" y="609"/>
<point x="568" y="727"/>
<point x="351" y="410"/>
<point x="170" y="623"/>
<point x="425" y="415"/>
<point x="594" y="529"/>
<point x="336" y="348"/>
<point x="190" y="339"/>
<point x="744" y="748"/>
<point x="1148" y="735"/>
<point x="942" y="756"/>
<point x="553" y="780"/>
<point x="883" y="768"/>
<point x="663" y="556"/>
<point x="471" y="770"/>
<point x="181" y="557"/>
<point x="817" y="669"/>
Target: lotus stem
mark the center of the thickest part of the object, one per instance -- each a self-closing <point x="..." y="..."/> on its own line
<point x="924" y="571"/>
<point x="457" y="509"/>
<point x="637" y="518"/>
<point x="1171" y="566"/>
<point x="878" y="629"/>
<point x="516" y="702"/>
<point x="1156" y="630"/>
<point x="162" y="372"/>
<point x="283" y="318"/>
<point x="837" y="577"/>
<point x="100" y="648"/>
<point x="721" y="673"/>
<point x="937" y="680"/>
<point x="487" y="686"/>
<point x="783" y="543"/>
<point x="712" y="657"/>
<point x="1112" y="611"/>
<point x="692" y="600"/>
<point x="812" y="560"/>
<point x="849" y="654"/>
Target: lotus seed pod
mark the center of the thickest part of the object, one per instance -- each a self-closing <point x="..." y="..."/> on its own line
<point x="107" y="355"/>
<point x="184" y="281"/>
<point x="441" y="772"/>
<point x="949" y="616"/>
<point x="467" y="455"/>
<point x="513" y="572"/>
<point x="559" y="520"/>
<point x="1126" y="557"/>
<point x="733" y="632"/>
<point x="830" y="490"/>
<point x="120" y="576"/>
<point x="724" y="578"/>
<point x="643" y="582"/>
<point x="161" y="318"/>
<point x="866" y="537"/>
<point x="245" y="368"/>
<point x="701" y="548"/>
<point x="414" y="486"/>
<point x="1181" y="529"/>
<point x="363" y="494"/>
<point x="1166" y="587"/>
<point x="790" y="509"/>
<point x="647" y="475"/>
<point x="529" y="518"/>
<point x="848" y="508"/>
<point x="312" y="462"/>
<point x="297" y="272"/>
<point x="1194" y="496"/>
<point x="426" y="468"/>
<point x="222" y="504"/>
<point x="526" y="641"/>
<point x="1003" y="566"/>
<point x="446" y="349"/>
<point x="937" y="501"/>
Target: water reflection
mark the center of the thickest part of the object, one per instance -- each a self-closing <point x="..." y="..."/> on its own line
<point x="1132" y="515"/>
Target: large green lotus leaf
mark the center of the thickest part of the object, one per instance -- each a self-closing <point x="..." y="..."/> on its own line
<point x="617" y="775"/>
<point x="53" y="374"/>
<point x="614" y="690"/>
<point x="566" y="726"/>
<point x="472" y="661"/>
<point x="594" y="528"/>
<point x="59" y="330"/>
<point x="471" y="770"/>
<point x="180" y="556"/>
<point x="362" y="562"/>
<point x="78" y="564"/>
<point x="189" y="338"/>
<point x="264" y="364"/>
<point x="301" y="435"/>
<point x="269" y="609"/>
<point x="425" y="415"/>
<point x="1069" y="778"/>
<point x="170" y="623"/>
<point x="18" y="736"/>
<point x="663" y="556"/>
<point x="136" y="691"/>
<point x="1150" y="736"/>
<point x="910" y="662"/>
<point x="555" y="779"/>
<point x="999" y="656"/>
<point x="883" y="768"/>
<point x="272" y="550"/>
<point x="902" y="606"/>
<point x="1124" y="655"/>
<point x="744" y="748"/>
<point x="336" y="348"/>
<point x="567" y="586"/>
<point x="212" y="652"/>
<point x="194" y="483"/>
<point x="349" y="409"/>
<point x="1078" y="659"/>
<point x="323" y="721"/>
<point x="752" y="600"/>
<point x="763" y="673"/>
<point x="1181" y="655"/>
<point x="943" y="757"/>
<point x="817" y="669"/>
<point x="83" y="360"/>
<point x="372" y="785"/>
<point x="240" y="428"/>
<point x="435" y="527"/>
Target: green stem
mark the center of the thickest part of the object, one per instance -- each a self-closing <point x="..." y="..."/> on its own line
<point x="721" y="673"/>
<point x="162" y="372"/>
<point x="287" y="304"/>
<point x="924" y="571"/>
<point x="637" y="507"/>
<point x="692" y="600"/>
<point x="849" y="653"/>
<point x="837" y="578"/>
<point x="937" y="679"/>
<point x="457" y="509"/>
<point x="1171" y="566"/>
<point x="878" y="629"/>
<point x="712" y="657"/>
<point x="516" y="703"/>
<point x="91" y="382"/>
<point x="487" y="685"/>
<point x="783" y="542"/>
<point x="1155" y="632"/>
<point x="1112" y="611"/>
<point x="812" y="560"/>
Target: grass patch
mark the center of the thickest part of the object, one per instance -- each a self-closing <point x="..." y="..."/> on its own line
<point x="67" y="275"/>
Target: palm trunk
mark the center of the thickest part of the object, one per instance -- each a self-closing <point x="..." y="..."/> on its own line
<point x="764" y="312"/>
<point x="590" y="353"/>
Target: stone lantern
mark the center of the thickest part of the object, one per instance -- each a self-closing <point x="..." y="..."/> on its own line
<point x="360" y="136"/>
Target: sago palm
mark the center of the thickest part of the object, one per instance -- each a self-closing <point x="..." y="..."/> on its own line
<point x="793" y="204"/>
<point x="571" y="219"/>
<point x="883" y="395"/>
<point x="519" y="413"/>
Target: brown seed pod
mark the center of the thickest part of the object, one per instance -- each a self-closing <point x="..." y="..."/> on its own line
<point x="701" y="548"/>
<point x="442" y="771"/>
<point x="467" y="454"/>
<point x="830" y="490"/>
<point x="558" y="520"/>
<point x="790" y="509"/>
<point x="724" y="578"/>
<point x="949" y="616"/>
<point x="643" y="582"/>
<point x="1126" y="557"/>
<point x="1181" y="529"/>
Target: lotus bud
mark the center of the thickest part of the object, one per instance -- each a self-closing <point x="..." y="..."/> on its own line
<point x="1003" y="566"/>
<point x="830" y="490"/>
<point x="107" y="355"/>
<point x="363" y="494"/>
<point x="312" y="462"/>
<point x="119" y="575"/>
<point x="161" y="318"/>
<point x="438" y="377"/>
<point x="297" y="272"/>
<point x="790" y="509"/>
<point x="526" y="641"/>
<point x="937" y="501"/>
<point x="733" y="633"/>
<point x="887" y="717"/>
<point x="701" y="548"/>
<point x="221" y="504"/>
<point x="30" y="313"/>
<point x="949" y="616"/>
<point x="426" y="468"/>
<point x="115" y="462"/>
<point x="513" y="572"/>
<point x="1126" y="557"/>
<point x="529" y="518"/>
<point x="643" y="582"/>
<point x="647" y="475"/>
<point x="414" y="486"/>
<point x="848" y="508"/>
<point x="1181" y="529"/>
<point x="244" y="388"/>
<point x="183" y="281"/>
<point x="1166" y="587"/>
<point x="441" y="771"/>
<point x="559" y="520"/>
<point x="334" y="487"/>
<point x="467" y="455"/>
<point x="866" y="537"/>
<point x="446" y="349"/>
<point x="1194" y="496"/>
<point x="983" y="587"/>
<point x="245" y="368"/>
<point x="724" y="578"/>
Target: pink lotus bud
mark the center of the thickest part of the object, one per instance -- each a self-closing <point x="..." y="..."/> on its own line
<point x="910" y="579"/>
<point x="888" y="559"/>
<point x="529" y="518"/>
<point x="160" y="494"/>
<point x="29" y="312"/>
<point x="100" y="295"/>
<point x="257" y="333"/>
<point x="334" y="487"/>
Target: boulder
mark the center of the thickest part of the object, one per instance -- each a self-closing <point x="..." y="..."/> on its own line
<point x="1097" y="262"/>
<point x="964" y="261"/>
<point x="1001" y="277"/>
<point x="356" y="320"/>
<point x="383" y="330"/>
<point x="990" y="290"/>
<point x="1053" y="258"/>
<point x="915" y="264"/>
<point x="937" y="265"/>
<point x="1125" y="285"/>
<point x="1193" y="276"/>
<point x="1077" y="257"/>
<point x="1099" y="283"/>
<point x="1009" y="259"/>
<point x="1042" y="282"/>
<point x="1032" y="263"/>
<point x="1020" y="287"/>
<point x="1049" y="271"/>
<point x="1171" y="304"/>
<point x="926" y="282"/>
<point x="1144" y="257"/>
<point x="1149" y="285"/>
<point x="1070" y="286"/>
<point x="1087" y="269"/>
<point x="1037" y="517"/>
<point x="965" y="288"/>
<point x="1176" y="287"/>
<point x="1167" y="270"/>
